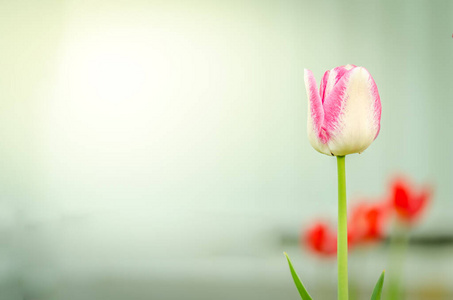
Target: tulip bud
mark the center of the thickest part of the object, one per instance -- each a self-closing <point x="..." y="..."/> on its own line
<point x="344" y="116"/>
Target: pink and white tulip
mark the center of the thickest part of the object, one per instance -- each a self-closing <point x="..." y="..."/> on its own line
<point x="344" y="116"/>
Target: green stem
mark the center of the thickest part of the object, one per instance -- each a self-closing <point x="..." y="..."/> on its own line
<point x="398" y="246"/>
<point x="342" y="251"/>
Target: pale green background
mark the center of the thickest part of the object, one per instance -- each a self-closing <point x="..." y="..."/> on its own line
<point x="158" y="150"/>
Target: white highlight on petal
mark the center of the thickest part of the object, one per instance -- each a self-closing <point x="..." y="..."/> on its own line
<point x="313" y="138"/>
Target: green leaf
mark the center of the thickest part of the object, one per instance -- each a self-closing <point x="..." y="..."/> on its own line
<point x="378" y="288"/>
<point x="300" y="287"/>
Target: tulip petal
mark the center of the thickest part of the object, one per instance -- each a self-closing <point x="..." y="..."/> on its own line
<point x="333" y="77"/>
<point x="419" y="203"/>
<point x="352" y="112"/>
<point x="316" y="133"/>
<point x="322" y="88"/>
<point x="377" y="105"/>
<point x="334" y="104"/>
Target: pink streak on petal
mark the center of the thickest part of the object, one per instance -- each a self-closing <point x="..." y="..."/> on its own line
<point x="340" y="72"/>
<point x="334" y="76"/>
<point x="323" y="85"/>
<point x="377" y="104"/>
<point x="317" y="112"/>
<point x="335" y="102"/>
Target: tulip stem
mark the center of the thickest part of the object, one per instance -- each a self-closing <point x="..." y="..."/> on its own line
<point x="398" y="246"/>
<point x="342" y="252"/>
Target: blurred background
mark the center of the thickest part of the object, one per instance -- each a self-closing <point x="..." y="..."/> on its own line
<point x="158" y="149"/>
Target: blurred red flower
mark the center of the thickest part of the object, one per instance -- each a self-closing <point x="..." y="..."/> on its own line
<point x="321" y="239"/>
<point x="408" y="202"/>
<point x="368" y="221"/>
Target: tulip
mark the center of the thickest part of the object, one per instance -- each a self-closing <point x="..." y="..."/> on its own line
<point x="409" y="203"/>
<point x="320" y="239"/>
<point x="344" y="116"/>
<point x="368" y="222"/>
